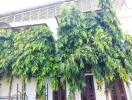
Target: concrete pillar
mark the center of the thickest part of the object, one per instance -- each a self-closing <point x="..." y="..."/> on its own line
<point x="100" y="94"/>
<point x="50" y="90"/>
<point x="31" y="89"/>
<point x="128" y="89"/>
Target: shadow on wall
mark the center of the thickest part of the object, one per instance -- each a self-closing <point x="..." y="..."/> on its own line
<point x="4" y="25"/>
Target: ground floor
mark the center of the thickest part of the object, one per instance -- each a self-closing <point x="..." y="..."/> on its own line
<point x="119" y="90"/>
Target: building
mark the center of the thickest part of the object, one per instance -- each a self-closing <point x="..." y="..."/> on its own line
<point x="47" y="14"/>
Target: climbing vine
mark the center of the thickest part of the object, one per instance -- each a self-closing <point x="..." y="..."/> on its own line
<point x="87" y="43"/>
<point x="32" y="54"/>
<point x="5" y="47"/>
<point x="93" y="43"/>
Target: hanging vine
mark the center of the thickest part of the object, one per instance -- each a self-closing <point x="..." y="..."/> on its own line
<point x="94" y="43"/>
<point x="31" y="56"/>
<point x="87" y="43"/>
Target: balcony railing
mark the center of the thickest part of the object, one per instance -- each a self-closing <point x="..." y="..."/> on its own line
<point x="52" y="10"/>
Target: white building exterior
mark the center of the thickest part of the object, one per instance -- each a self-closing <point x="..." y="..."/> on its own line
<point x="46" y="14"/>
<point x="31" y="90"/>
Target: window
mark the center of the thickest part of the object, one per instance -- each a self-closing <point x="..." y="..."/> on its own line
<point x="60" y="94"/>
<point x="118" y="91"/>
<point x="88" y="92"/>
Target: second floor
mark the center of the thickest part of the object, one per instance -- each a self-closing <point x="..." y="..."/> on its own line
<point x="52" y="10"/>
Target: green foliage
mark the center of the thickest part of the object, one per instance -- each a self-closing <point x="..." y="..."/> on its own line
<point x="72" y="37"/>
<point x="32" y="54"/>
<point x="35" y="49"/>
<point x="90" y="43"/>
<point x="4" y="41"/>
<point x="5" y="47"/>
<point x="94" y="43"/>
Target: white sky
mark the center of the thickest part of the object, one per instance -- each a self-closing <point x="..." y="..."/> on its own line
<point x="7" y="6"/>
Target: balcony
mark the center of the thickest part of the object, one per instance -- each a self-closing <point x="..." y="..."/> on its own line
<point x="52" y="10"/>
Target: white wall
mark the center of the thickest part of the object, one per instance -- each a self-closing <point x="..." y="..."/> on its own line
<point x="16" y="82"/>
<point x="31" y="89"/>
<point x="50" y="92"/>
<point x="78" y="95"/>
<point x="4" y="87"/>
<point x="128" y="89"/>
<point x="100" y="95"/>
<point x="51" y="22"/>
<point x="125" y="17"/>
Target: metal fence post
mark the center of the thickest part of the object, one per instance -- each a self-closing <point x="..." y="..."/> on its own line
<point x="17" y="91"/>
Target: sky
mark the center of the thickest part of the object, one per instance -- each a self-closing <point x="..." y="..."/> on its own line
<point x="7" y="6"/>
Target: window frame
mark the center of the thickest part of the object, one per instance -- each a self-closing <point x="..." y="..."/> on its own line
<point x="117" y="90"/>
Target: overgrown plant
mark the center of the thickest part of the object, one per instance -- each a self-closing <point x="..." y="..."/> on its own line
<point x="87" y="43"/>
<point x="32" y="55"/>
<point x="5" y="47"/>
<point x="94" y="43"/>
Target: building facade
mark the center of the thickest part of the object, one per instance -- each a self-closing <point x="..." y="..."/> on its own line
<point x="48" y="14"/>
